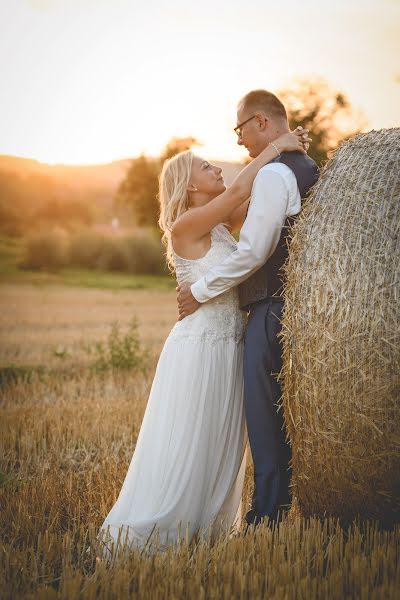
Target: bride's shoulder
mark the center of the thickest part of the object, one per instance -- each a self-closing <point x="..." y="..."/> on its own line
<point x="182" y="225"/>
<point x="179" y="226"/>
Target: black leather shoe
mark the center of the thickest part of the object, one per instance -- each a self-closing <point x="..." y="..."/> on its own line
<point x="252" y="518"/>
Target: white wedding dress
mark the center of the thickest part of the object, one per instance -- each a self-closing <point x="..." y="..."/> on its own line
<point x="186" y="474"/>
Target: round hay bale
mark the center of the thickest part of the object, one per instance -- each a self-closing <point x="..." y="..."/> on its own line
<point x="341" y="335"/>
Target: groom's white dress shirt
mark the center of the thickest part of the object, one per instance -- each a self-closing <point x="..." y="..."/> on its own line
<point x="274" y="196"/>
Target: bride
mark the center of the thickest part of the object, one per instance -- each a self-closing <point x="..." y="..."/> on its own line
<point x="186" y="473"/>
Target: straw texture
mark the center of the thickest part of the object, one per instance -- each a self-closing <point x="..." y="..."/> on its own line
<point x="341" y="335"/>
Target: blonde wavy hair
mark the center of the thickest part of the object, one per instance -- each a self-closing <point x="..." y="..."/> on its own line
<point x="173" y="196"/>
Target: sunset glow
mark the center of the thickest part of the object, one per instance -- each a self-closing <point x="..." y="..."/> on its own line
<point x="86" y="81"/>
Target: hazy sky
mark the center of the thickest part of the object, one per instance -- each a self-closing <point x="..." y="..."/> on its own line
<point x="85" y="81"/>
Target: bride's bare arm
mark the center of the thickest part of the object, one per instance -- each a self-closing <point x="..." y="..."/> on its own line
<point x="238" y="216"/>
<point x="200" y="220"/>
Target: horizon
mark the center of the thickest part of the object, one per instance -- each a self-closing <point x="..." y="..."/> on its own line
<point x="107" y="162"/>
<point x="77" y="93"/>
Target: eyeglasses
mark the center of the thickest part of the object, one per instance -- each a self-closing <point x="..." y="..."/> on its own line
<point x="238" y="128"/>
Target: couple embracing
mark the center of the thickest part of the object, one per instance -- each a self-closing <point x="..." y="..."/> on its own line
<point x="215" y="385"/>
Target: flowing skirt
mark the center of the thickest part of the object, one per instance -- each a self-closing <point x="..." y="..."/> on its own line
<point x="187" y="471"/>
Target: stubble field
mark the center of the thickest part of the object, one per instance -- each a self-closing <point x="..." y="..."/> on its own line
<point x="68" y="432"/>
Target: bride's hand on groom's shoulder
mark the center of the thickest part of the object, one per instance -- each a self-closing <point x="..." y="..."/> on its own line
<point x="296" y="140"/>
<point x="187" y="303"/>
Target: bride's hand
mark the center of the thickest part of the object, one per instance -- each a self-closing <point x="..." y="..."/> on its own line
<point x="295" y="140"/>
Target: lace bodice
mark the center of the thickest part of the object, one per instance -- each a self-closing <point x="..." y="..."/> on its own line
<point x="219" y="318"/>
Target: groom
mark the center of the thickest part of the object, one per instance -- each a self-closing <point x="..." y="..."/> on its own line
<point x="256" y="267"/>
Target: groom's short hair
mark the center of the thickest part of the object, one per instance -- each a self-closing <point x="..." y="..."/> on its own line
<point x="265" y="101"/>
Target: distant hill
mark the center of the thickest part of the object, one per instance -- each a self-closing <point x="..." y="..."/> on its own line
<point x="96" y="182"/>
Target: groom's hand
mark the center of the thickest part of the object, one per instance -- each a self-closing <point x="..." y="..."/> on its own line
<point x="187" y="303"/>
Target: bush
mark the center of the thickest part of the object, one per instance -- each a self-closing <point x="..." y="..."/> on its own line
<point x="122" y="351"/>
<point x="85" y="248"/>
<point x="141" y="253"/>
<point x="47" y="249"/>
<point x="112" y="256"/>
<point x="144" y="254"/>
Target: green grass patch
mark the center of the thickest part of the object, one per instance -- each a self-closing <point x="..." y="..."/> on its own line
<point x="13" y="373"/>
<point x="89" y="279"/>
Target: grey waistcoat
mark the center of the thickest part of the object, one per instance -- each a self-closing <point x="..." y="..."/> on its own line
<point x="267" y="281"/>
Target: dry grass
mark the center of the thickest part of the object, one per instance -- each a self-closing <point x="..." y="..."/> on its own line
<point x="66" y="442"/>
<point x="36" y="321"/>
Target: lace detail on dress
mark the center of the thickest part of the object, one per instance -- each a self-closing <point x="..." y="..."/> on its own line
<point x="220" y="317"/>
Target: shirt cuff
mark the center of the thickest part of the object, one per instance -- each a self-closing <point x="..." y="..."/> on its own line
<point x="200" y="290"/>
